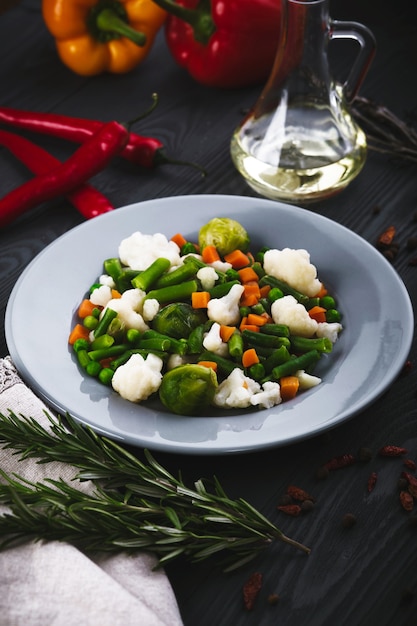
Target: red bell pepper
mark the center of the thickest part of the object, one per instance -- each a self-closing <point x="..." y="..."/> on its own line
<point x="222" y="43"/>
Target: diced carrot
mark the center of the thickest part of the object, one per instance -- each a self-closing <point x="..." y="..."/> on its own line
<point x="246" y="326"/>
<point x="211" y="364"/>
<point x="249" y="357"/>
<point x="115" y="294"/>
<point x="317" y="313"/>
<point x="200" y="299"/>
<point x="237" y="259"/>
<point x="322" y="292"/>
<point x="249" y="300"/>
<point x="247" y="274"/>
<point x="78" y="332"/>
<point x="210" y="254"/>
<point x="257" y="320"/>
<point x="179" y="239"/>
<point x="106" y="362"/>
<point x="226" y="332"/>
<point x="251" y="294"/>
<point x="289" y="386"/>
<point x="265" y="289"/>
<point x="86" y="308"/>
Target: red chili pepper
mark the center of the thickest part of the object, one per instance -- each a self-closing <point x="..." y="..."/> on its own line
<point x="86" y="199"/>
<point x="407" y="500"/>
<point x="88" y="160"/>
<point x="144" y="151"/>
<point x="223" y="44"/>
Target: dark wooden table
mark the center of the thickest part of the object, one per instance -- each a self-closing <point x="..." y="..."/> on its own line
<point x="360" y="576"/>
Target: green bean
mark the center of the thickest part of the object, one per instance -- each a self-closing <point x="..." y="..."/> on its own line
<point x="113" y="268"/>
<point x="225" y="366"/>
<point x="255" y="338"/>
<point x="285" y="288"/>
<point x="104" y="341"/>
<point x="235" y="345"/>
<point x="313" y="302"/>
<point x="278" y="356"/>
<point x="108" y="316"/>
<point x="195" y="339"/>
<point x="83" y="358"/>
<point x="173" y="292"/>
<point x="81" y="344"/>
<point x="266" y="351"/>
<point x="179" y="275"/>
<point x="304" y="362"/>
<point x="160" y="344"/>
<point x="105" y="353"/>
<point x="146" y="279"/>
<point x="133" y="335"/>
<point x="125" y="356"/>
<point x="279" y="330"/>
<point x="257" y="371"/>
<point x="305" y="344"/>
<point x="218" y="291"/>
<point x="177" y="346"/>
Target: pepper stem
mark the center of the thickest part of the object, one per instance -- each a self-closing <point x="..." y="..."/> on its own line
<point x="108" y="22"/>
<point x="199" y="18"/>
<point x="160" y="158"/>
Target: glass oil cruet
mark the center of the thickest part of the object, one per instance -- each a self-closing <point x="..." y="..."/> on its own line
<point x="299" y="143"/>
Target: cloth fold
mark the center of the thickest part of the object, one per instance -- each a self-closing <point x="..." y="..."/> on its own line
<point x="54" y="583"/>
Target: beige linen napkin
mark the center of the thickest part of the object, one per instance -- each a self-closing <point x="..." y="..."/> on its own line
<point x="55" y="584"/>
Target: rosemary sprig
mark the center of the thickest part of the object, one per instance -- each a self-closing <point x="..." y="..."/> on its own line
<point x="135" y="505"/>
<point x="385" y="132"/>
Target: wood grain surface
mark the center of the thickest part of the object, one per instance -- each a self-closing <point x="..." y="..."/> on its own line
<point x="364" y="575"/>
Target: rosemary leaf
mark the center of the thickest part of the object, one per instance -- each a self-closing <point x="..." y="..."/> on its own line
<point x="135" y="505"/>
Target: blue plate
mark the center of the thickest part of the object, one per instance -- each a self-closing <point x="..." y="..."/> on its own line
<point x="377" y="319"/>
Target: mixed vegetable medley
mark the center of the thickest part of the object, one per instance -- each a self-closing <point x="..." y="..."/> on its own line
<point x="206" y="323"/>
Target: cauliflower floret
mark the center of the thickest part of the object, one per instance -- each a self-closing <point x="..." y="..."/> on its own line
<point x="105" y="279"/>
<point x="213" y="342"/>
<point x="101" y="296"/>
<point x="307" y="381"/>
<point x="221" y="266"/>
<point x="293" y="267"/>
<point x="288" y="311"/>
<point x="329" y="330"/>
<point x="236" y="391"/>
<point x="225" y="310"/>
<point x="207" y="276"/>
<point x="138" y="378"/>
<point x="268" y="397"/>
<point x="150" y="309"/>
<point x="138" y="251"/>
<point x="129" y="308"/>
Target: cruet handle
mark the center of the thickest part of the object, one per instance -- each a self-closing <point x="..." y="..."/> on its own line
<point x="360" y="33"/>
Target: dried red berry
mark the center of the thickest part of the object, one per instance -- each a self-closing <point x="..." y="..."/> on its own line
<point x="348" y="520"/>
<point x="410" y="464"/>
<point x="372" y="481"/>
<point x="251" y="590"/>
<point x="290" y="509"/>
<point x="298" y="494"/>
<point x="392" y="451"/>
<point x="338" y="462"/>
<point x="407" y="500"/>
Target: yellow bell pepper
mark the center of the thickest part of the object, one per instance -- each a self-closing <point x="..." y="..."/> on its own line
<point x="96" y="36"/>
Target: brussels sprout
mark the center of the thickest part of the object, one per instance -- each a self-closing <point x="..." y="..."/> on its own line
<point x="188" y="389"/>
<point x="178" y="320"/>
<point x="225" y="234"/>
